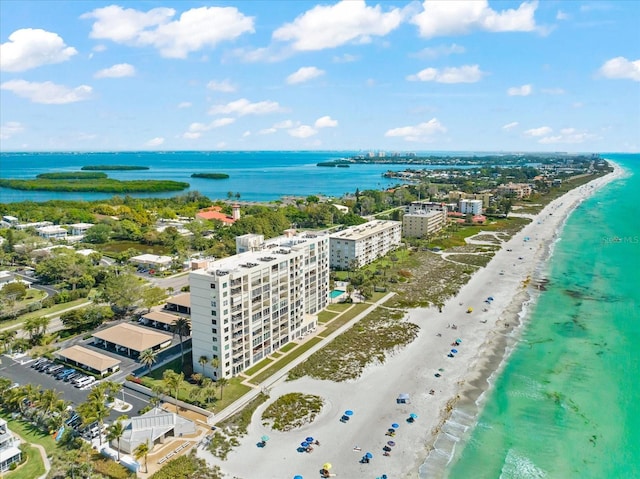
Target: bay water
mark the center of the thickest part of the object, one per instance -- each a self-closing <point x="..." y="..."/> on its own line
<point x="567" y="403"/>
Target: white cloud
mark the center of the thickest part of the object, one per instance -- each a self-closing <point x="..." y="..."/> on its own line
<point x="325" y="122"/>
<point x="116" y="71"/>
<point x="621" y="68"/>
<point x="184" y="104"/>
<point x="217" y="123"/>
<point x="439" y="51"/>
<point x="224" y="86"/>
<point x="283" y="124"/>
<point x="562" y="15"/>
<point x="10" y="129"/>
<point x="304" y="74"/>
<point x="157" y="141"/>
<point x="524" y="90"/>
<point x="567" y="136"/>
<point x="32" y="47"/>
<point x="440" y="18"/>
<point x="243" y="107"/>
<point x="194" y="30"/>
<point x="191" y="135"/>
<point x="510" y="126"/>
<point x="329" y="26"/>
<point x="421" y="132"/>
<point x="345" y="58"/>
<point x="553" y="91"/>
<point x="463" y="74"/>
<point x="47" y="92"/>
<point x="302" y="131"/>
<point x="267" y="131"/>
<point x="541" y="131"/>
<point x="246" y="134"/>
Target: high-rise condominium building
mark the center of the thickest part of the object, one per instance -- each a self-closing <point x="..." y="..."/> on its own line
<point x="250" y="304"/>
<point x="360" y="245"/>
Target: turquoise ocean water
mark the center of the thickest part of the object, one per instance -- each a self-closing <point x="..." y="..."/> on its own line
<point x="567" y="404"/>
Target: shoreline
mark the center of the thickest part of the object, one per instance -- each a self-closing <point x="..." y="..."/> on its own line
<point x="488" y="337"/>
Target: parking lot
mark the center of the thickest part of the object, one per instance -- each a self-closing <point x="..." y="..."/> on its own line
<point x="25" y="374"/>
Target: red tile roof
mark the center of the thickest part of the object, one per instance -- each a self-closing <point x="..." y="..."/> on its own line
<point x="214" y="213"/>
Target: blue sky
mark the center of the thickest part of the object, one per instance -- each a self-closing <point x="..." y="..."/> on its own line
<point x="295" y="75"/>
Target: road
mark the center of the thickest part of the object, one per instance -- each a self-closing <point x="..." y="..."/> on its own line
<point x="177" y="281"/>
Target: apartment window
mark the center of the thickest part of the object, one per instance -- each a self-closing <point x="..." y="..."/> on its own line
<point x="226" y="330"/>
<point x="214" y="348"/>
<point x="214" y="321"/>
<point x="214" y="304"/>
<point x="225" y="302"/>
<point x="214" y="330"/>
<point x="213" y="286"/>
<point x="226" y="348"/>
<point x="214" y="313"/>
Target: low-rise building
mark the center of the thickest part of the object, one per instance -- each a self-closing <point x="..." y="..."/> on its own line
<point x="9" y="451"/>
<point x="423" y="223"/>
<point x="473" y="207"/>
<point x="180" y="303"/>
<point x="360" y="245"/>
<point x="159" y="320"/>
<point x="517" y="190"/>
<point x="130" y="339"/>
<point x="214" y="213"/>
<point x="52" y="232"/>
<point x="80" y="229"/>
<point x="89" y="360"/>
<point x="152" y="261"/>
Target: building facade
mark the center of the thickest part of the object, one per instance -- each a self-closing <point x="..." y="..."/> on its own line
<point x="360" y="245"/>
<point x="517" y="190"/>
<point x="248" y="305"/>
<point x="423" y="223"/>
<point x="470" y="206"/>
<point x="9" y="450"/>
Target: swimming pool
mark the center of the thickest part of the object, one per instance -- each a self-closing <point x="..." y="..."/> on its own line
<point x="336" y="293"/>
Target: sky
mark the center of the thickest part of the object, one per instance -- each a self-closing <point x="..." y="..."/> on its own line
<point x="432" y="75"/>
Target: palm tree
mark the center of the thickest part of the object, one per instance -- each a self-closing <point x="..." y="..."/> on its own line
<point x="203" y="360"/>
<point x="6" y="337"/>
<point x="31" y="327"/>
<point x="207" y="390"/>
<point x="148" y="357"/>
<point x="222" y="382"/>
<point x="215" y="364"/>
<point x="173" y="381"/>
<point x="48" y="400"/>
<point x="94" y="410"/>
<point x="114" y="433"/>
<point x="182" y="328"/>
<point x="142" y="451"/>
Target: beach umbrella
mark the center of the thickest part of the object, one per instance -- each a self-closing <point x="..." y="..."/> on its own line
<point x="348" y="412"/>
<point x="438" y="375"/>
<point x="391" y="443"/>
<point x="326" y="466"/>
<point x="265" y="438"/>
<point x="309" y="439"/>
<point x="413" y="416"/>
<point x="395" y="425"/>
<point x="297" y="477"/>
<point x="454" y="351"/>
<point x="304" y="444"/>
<point x="368" y="455"/>
<point x="441" y="370"/>
<point x="391" y="430"/>
<point x="490" y="298"/>
<point x="458" y="340"/>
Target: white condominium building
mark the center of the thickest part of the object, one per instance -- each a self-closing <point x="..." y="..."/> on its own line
<point x="9" y="450"/>
<point x="248" y="305"/>
<point x="470" y="206"/>
<point x="423" y="223"/>
<point x="360" y="245"/>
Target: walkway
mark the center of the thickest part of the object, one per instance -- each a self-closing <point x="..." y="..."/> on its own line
<point x="43" y="454"/>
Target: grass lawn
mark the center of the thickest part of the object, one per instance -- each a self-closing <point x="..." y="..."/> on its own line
<point x="344" y="319"/>
<point x="284" y="361"/>
<point x="288" y="347"/>
<point x="33" y="467"/>
<point x="325" y="316"/>
<point x="257" y="367"/>
<point x="53" y="309"/>
<point x="233" y="391"/>
<point x="339" y="307"/>
<point x="30" y="433"/>
<point x="276" y="354"/>
<point x="175" y="365"/>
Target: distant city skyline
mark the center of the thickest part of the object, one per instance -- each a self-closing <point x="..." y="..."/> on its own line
<point x="352" y="75"/>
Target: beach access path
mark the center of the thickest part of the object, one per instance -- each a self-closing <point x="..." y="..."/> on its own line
<point x="411" y="370"/>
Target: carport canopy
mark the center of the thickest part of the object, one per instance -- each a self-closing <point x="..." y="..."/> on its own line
<point x="88" y="359"/>
<point x="133" y="338"/>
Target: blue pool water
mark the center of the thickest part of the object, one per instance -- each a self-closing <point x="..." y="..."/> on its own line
<point x="336" y="293"/>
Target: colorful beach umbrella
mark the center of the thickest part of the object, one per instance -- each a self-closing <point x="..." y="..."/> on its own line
<point x="413" y="416"/>
<point x="395" y="425"/>
<point x="265" y="438"/>
<point x="458" y="340"/>
<point x="454" y="351"/>
<point x="348" y="412"/>
<point x="391" y="443"/>
<point x="298" y="477"/>
<point x="368" y="455"/>
<point x="326" y="466"/>
<point x="309" y="439"/>
<point x="304" y="444"/>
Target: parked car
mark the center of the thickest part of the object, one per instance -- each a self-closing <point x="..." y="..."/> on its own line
<point x="44" y="364"/>
<point x="72" y="376"/>
<point x="79" y="378"/>
<point x="38" y="362"/>
<point x="55" y="368"/>
<point x="64" y="373"/>
<point x="84" y="381"/>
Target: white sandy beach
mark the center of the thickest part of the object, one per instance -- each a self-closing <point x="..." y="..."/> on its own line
<point x="411" y="370"/>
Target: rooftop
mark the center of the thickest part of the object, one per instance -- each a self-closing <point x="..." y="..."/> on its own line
<point x="150" y="258"/>
<point x="93" y="359"/>
<point x="132" y="337"/>
<point x="160" y="317"/>
<point x="365" y="230"/>
<point x="182" y="299"/>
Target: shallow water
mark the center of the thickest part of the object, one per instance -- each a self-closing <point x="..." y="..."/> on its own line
<point x="565" y="405"/>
